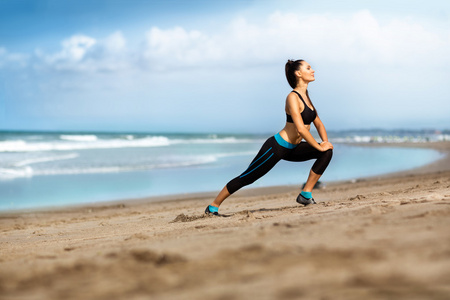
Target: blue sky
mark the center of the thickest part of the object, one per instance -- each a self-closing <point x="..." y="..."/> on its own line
<point x="218" y="66"/>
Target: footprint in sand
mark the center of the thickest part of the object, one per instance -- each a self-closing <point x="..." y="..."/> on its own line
<point x="138" y="236"/>
<point x="435" y="196"/>
<point x="357" y="197"/>
<point x="247" y="215"/>
<point x="186" y="218"/>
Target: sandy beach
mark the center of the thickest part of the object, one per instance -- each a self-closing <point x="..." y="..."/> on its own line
<point x="385" y="237"/>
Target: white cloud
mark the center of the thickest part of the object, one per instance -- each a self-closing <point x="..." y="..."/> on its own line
<point x="115" y="43"/>
<point x="179" y="48"/>
<point x="8" y="59"/>
<point x="84" y="53"/>
<point x="360" y="38"/>
<point x="73" y="49"/>
<point x="356" y="39"/>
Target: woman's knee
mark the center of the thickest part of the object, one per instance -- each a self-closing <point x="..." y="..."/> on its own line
<point x="322" y="163"/>
<point x="327" y="155"/>
<point x="237" y="183"/>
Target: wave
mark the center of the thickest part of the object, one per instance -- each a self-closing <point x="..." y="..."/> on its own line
<point x="12" y="173"/>
<point x="117" y="169"/>
<point x="66" y="145"/>
<point x="79" y="138"/>
<point x="84" y="142"/>
<point x="22" y="169"/>
<point x="45" y="159"/>
<point x="412" y="138"/>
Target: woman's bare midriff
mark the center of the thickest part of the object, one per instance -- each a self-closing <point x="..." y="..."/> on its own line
<point x="290" y="134"/>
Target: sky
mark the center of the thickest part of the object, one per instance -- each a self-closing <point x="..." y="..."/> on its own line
<point x="218" y="66"/>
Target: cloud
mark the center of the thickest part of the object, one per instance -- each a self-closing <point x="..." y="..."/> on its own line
<point x="178" y="47"/>
<point x="74" y="51"/>
<point x="359" y="38"/>
<point x="84" y="53"/>
<point x="12" y="60"/>
<point x="115" y="43"/>
<point x="75" y="48"/>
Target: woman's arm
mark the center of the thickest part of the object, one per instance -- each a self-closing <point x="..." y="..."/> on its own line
<point x="323" y="134"/>
<point x="294" y="109"/>
<point x="321" y="129"/>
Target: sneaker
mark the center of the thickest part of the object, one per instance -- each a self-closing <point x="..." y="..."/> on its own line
<point x="305" y="201"/>
<point x="207" y="211"/>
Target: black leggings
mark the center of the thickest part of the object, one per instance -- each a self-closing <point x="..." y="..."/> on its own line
<point x="271" y="153"/>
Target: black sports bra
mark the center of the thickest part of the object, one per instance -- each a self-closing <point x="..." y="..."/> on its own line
<point x="308" y="115"/>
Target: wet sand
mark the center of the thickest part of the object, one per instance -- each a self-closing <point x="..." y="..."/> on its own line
<point x="385" y="237"/>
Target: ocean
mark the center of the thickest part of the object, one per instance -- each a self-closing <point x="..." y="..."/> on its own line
<point x="58" y="169"/>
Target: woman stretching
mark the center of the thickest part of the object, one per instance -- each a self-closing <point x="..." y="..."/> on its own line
<point x="288" y="144"/>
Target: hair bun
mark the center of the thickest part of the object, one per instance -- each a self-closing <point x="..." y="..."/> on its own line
<point x="290" y="68"/>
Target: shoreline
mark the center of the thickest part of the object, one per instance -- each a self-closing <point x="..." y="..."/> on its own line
<point x="442" y="164"/>
<point x="384" y="237"/>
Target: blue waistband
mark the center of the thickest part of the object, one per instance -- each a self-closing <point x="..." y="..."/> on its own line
<point x="284" y="143"/>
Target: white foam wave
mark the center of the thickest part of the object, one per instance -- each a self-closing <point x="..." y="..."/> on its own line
<point x="79" y="138"/>
<point x="11" y="173"/>
<point x="23" y="146"/>
<point x="117" y="169"/>
<point x="22" y="169"/>
<point x="11" y="146"/>
<point x="45" y="159"/>
<point x="391" y="139"/>
<point x="93" y="142"/>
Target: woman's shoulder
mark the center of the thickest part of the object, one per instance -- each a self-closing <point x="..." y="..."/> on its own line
<point x="293" y="99"/>
<point x="291" y="95"/>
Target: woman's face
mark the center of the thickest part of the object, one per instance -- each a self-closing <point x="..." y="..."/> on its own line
<point x="306" y="73"/>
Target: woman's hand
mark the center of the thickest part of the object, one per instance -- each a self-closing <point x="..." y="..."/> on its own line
<point x="326" y="146"/>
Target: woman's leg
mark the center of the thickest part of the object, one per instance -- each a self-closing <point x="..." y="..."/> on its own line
<point x="304" y="152"/>
<point x="268" y="156"/>
<point x="311" y="182"/>
<point x="224" y="194"/>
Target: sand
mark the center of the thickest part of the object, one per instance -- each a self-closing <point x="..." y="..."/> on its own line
<point x="383" y="237"/>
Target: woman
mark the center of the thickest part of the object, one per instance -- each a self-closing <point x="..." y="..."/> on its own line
<point x="288" y="144"/>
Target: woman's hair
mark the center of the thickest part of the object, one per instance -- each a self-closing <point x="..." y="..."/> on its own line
<point x="290" y="68"/>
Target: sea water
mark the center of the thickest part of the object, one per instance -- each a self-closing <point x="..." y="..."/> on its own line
<point x="57" y="169"/>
